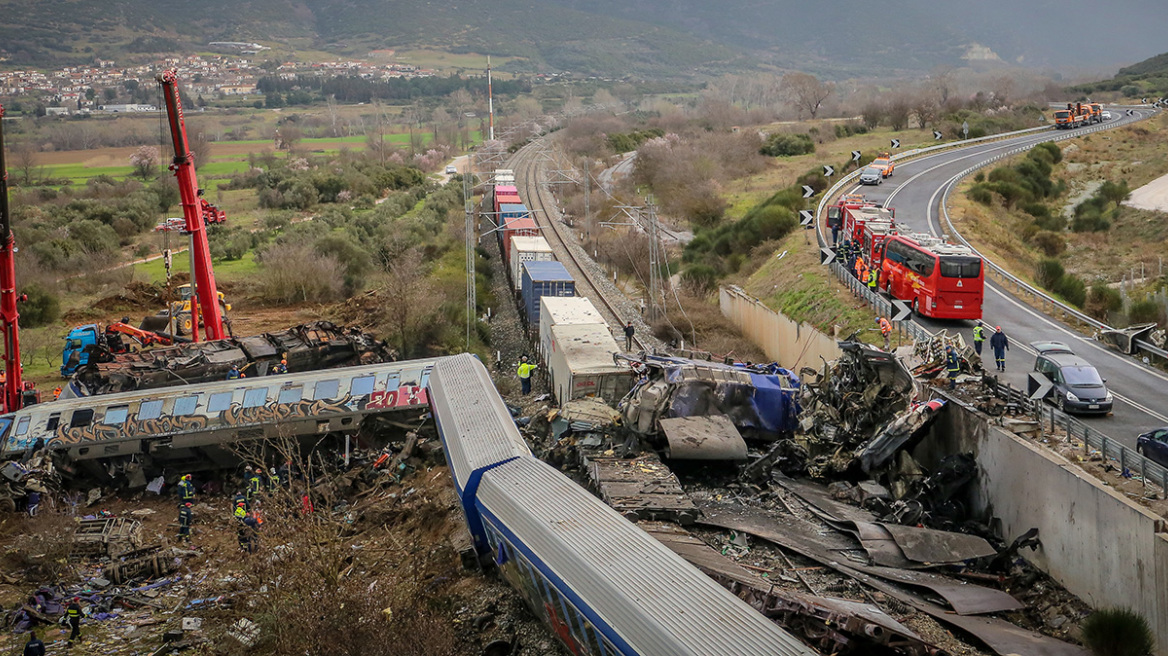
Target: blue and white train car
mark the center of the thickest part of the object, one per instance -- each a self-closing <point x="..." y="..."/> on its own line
<point x="602" y="584"/>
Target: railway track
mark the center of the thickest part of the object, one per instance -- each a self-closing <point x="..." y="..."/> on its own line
<point x="526" y="164"/>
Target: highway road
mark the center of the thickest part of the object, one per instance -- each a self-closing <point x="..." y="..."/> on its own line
<point x="916" y="190"/>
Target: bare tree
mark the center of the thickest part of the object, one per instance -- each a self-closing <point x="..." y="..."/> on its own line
<point x="26" y="163"/>
<point x="459" y="101"/>
<point x="925" y="110"/>
<point x="1003" y="88"/>
<point x="806" y="92"/>
<point x="898" y="113"/>
<point x="942" y="83"/>
<point x="872" y="113"/>
<point x="410" y="304"/>
<point x="200" y="145"/>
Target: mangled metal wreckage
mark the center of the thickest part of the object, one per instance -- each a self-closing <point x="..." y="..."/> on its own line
<point x="702" y="410"/>
<point x="307" y="347"/>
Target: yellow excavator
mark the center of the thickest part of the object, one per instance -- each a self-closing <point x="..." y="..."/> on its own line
<point x="180" y="310"/>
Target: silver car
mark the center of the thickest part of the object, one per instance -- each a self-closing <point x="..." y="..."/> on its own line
<point x="871" y="176"/>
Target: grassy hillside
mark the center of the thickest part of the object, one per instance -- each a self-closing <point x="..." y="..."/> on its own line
<point x="1147" y="78"/>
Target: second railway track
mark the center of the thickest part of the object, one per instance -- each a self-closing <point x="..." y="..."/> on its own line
<point x="545" y="211"/>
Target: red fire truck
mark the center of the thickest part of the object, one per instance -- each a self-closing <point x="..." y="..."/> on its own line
<point x="940" y="280"/>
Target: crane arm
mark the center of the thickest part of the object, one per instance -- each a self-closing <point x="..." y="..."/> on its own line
<point x="193" y="212"/>
<point x="13" y="377"/>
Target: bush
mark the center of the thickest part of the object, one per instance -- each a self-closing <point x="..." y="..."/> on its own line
<point x="1036" y="209"/>
<point x="979" y="193"/>
<point x="1048" y="272"/>
<point x="1102" y="301"/>
<point x="785" y="145"/>
<point x="1072" y="289"/>
<point x="42" y="307"/>
<point x="1050" y="243"/>
<point x="700" y="277"/>
<point x="1147" y="311"/>
<point x="296" y="273"/>
<point x="1118" y="632"/>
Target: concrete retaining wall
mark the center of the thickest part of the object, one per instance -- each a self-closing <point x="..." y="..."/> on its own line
<point x="1097" y="543"/>
<point x="793" y="345"/>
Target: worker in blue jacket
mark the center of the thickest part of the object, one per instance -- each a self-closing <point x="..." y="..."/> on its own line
<point x="1000" y="344"/>
<point x="952" y="366"/>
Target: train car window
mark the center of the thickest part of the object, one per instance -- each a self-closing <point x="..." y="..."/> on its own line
<point x="183" y="406"/>
<point x="291" y="395"/>
<point x="22" y="425"/>
<point x="149" y="410"/>
<point x="54" y="420"/>
<point x="5" y="424"/>
<point x="590" y="637"/>
<point x="81" y="418"/>
<point x="219" y="402"/>
<point x="327" y="389"/>
<point x="362" y="386"/>
<point x="116" y="415"/>
<point x="254" y="398"/>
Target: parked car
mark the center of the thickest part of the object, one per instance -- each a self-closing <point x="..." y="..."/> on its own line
<point x="451" y="169"/>
<point x="1154" y="445"/>
<point x="1076" y="384"/>
<point x="871" y="176"/>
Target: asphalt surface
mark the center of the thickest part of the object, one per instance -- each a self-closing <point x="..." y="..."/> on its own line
<point x="916" y="190"/>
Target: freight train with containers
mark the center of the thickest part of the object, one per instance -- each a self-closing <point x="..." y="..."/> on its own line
<point x="576" y="344"/>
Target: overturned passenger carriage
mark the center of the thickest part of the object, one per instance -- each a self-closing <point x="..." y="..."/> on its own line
<point x="129" y="437"/>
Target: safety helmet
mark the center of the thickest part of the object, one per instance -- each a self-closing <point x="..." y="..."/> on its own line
<point x="272" y="471"/>
<point x="188" y="504"/>
<point x="240" y="503"/>
<point x="283" y="362"/>
<point x="999" y="329"/>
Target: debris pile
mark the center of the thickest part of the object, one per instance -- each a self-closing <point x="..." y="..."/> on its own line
<point x="850" y="400"/>
<point x="317" y="345"/>
<point x="760" y="401"/>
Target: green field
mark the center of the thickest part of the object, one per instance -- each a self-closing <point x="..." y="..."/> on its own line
<point x="240" y="269"/>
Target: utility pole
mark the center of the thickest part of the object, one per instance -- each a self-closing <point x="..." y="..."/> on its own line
<point x="654" y="259"/>
<point x="490" y="101"/>
<point x="472" y="239"/>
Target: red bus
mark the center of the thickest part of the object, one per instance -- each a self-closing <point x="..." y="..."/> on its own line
<point x="940" y="280"/>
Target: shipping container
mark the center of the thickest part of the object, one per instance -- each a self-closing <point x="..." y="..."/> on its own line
<point x="580" y="364"/>
<point x="504" y="199"/>
<point x="525" y="248"/>
<point x="521" y="227"/>
<point x="568" y="311"/>
<point x="504" y="177"/>
<point x="544" y="279"/>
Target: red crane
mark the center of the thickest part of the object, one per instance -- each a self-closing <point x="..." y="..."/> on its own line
<point x="13" y="377"/>
<point x="194" y="211"/>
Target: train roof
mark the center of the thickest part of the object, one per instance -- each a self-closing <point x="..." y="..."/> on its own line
<point x="476" y="425"/>
<point x="656" y="602"/>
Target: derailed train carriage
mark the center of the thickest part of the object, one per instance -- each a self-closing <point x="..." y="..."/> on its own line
<point x="604" y="586"/>
<point x="130" y="437"/>
<point x="316" y="345"/>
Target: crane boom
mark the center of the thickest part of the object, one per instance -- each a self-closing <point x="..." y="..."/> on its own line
<point x="13" y="377"/>
<point x="183" y="166"/>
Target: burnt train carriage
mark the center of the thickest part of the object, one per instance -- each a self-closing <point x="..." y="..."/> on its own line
<point x="130" y="436"/>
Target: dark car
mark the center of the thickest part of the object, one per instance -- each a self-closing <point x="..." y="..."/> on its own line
<point x="1077" y="386"/>
<point x="1154" y="445"/>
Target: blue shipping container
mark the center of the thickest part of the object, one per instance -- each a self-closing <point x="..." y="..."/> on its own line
<point x="508" y="211"/>
<point x="544" y="279"/>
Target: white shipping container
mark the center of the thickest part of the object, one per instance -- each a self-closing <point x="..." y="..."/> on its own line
<point x="525" y="248"/>
<point x="580" y="364"/>
<point x="564" y="310"/>
<point x="504" y="177"/>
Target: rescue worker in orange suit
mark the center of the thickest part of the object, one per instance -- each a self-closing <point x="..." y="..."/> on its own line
<point x="885" y="330"/>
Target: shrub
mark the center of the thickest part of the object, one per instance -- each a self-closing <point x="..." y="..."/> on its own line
<point x="979" y="193"/>
<point x="785" y="145"/>
<point x="1102" y="301"/>
<point x="42" y="307"/>
<point x="1036" y="209"/>
<point x="700" y="277"/>
<point x="1050" y="243"/>
<point x="1048" y="272"/>
<point x="296" y="273"/>
<point x="1118" y="632"/>
<point x="1072" y="289"/>
<point x="1146" y="311"/>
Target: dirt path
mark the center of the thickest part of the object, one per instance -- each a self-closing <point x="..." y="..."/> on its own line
<point x="1152" y="196"/>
